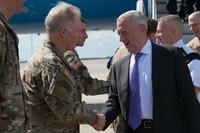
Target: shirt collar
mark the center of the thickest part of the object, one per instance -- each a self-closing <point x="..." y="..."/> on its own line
<point x="146" y="48"/>
<point x="179" y="43"/>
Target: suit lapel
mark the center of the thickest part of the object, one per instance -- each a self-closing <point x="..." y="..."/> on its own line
<point x="125" y="78"/>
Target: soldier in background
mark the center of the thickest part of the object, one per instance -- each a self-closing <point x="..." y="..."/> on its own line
<point x="118" y="124"/>
<point x="194" y="24"/>
<point x="11" y="103"/>
<point x="87" y="84"/>
<point x="51" y="91"/>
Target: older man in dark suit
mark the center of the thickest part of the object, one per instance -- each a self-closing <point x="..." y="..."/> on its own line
<point x="151" y="87"/>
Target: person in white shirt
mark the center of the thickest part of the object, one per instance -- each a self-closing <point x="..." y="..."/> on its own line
<point x="169" y="32"/>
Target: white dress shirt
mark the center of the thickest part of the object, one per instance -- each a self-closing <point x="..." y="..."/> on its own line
<point x="194" y="65"/>
<point x="145" y="80"/>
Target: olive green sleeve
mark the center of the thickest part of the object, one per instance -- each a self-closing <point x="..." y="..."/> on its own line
<point x="61" y="98"/>
<point x="86" y="84"/>
<point x="3" y="48"/>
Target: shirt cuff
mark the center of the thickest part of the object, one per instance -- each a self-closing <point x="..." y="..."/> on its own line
<point x="198" y="97"/>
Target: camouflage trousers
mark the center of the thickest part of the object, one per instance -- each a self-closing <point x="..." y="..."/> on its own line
<point x="16" y="126"/>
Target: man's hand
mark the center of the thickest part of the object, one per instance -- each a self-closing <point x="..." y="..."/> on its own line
<point x="100" y="123"/>
<point x="197" y="90"/>
<point x="75" y="64"/>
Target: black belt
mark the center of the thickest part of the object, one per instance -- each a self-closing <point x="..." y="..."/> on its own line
<point x="146" y="126"/>
<point x="147" y="123"/>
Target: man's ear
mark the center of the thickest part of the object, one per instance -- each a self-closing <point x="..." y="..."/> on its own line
<point x="63" y="31"/>
<point x="143" y="27"/>
<point x="173" y="31"/>
<point x="151" y="35"/>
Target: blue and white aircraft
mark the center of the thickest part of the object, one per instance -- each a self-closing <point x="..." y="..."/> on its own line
<point x="99" y="14"/>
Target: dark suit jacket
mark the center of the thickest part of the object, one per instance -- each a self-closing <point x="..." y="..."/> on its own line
<point x="175" y="107"/>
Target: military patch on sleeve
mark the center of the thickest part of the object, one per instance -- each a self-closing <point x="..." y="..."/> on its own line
<point x="73" y="59"/>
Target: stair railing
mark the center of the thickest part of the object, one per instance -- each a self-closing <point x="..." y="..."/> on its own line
<point x="152" y="9"/>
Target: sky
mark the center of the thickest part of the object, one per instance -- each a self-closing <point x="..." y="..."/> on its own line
<point x="99" y="44"/>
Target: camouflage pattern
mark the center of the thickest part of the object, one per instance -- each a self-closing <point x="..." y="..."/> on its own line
<point x="119" y="53"/>
<point x="119" y="123"/>
<point x="86" y="84"/>
<point x="194" y="44"/>
<point x="11" y="102"/>
<point x="51" y="94"/>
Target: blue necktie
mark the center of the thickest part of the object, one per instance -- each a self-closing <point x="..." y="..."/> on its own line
<point x="134" y="119"/>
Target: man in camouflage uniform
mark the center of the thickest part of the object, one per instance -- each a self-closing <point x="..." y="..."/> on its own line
<point x="85" y="83"/>
<point x="51" y="92"/>
<point x="11" y="103"/>
<point x="91" y="86"/>
<point x="118" y="124"/>
<point x="194" y="24"/>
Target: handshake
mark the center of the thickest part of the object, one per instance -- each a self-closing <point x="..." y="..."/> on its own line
<point x="100" y="122"/>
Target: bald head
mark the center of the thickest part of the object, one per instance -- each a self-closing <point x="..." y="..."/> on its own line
<point x="194" y="23"/>
<point x="169" y="29"/>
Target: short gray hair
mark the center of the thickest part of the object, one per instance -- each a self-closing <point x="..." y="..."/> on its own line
<point x="175" y="19"/>
<point x="62" y="13"/>
<point x="134" y="17"/>
<point x="195" y="14"/>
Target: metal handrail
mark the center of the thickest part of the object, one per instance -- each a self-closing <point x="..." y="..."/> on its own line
<point x="152" y="9"/>
<point x="140" y="6"/>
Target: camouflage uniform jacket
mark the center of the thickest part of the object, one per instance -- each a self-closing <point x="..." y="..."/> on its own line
<point x="194" y="44"/>
<point x="11" y="103"/>
<point x="51" y="94"/>
<point x="87" y="85"/>
<point x="119" y="54"/>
